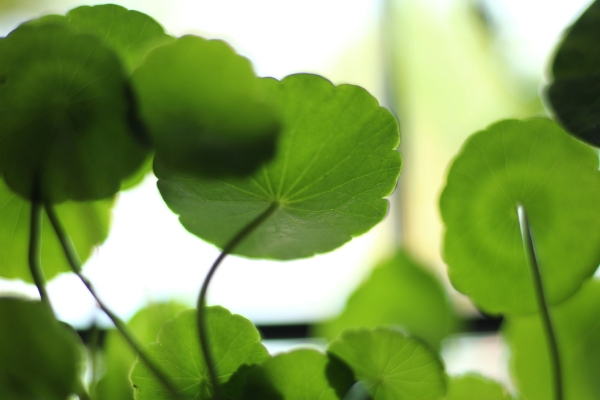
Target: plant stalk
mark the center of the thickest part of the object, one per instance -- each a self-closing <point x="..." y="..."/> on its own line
<point x="35" y="243"/>
<point x="542" y="303"/>
<point x="201" y="305"/>
<point x="129" y="336"/>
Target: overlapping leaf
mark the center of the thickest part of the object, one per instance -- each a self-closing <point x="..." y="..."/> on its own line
<point x="555" y="178"/>
<point x="391" y="365"/>
<point x="399" y="292"/>
<point x="40" y="359"/>
<point x="474" y="387"/>
<point x="574" y="94"/>
<point x="65" y="116"/>
<point x="87" y="224"/>
<point x="204" y="109"/>
<point x="577" y="327"/>
<point x="337" y="159"/>
<point x="234" y="341"/>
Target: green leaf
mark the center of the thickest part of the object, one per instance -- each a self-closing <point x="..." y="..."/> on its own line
<point x="297" y="375"/>
<point x="41" y="359"/>
<point x="399" y="292"/>
<point x="118" y="355"/>
<point x="475" y="387"/>
<point x="204" y="109"/>
<point x="233" y="339"/>
<point x="556" y="179"/>
<point x="65" y="116"/>
<point x="574" y="94"/>
<point x="336" y="161"/>
<point x="87" y="225"/>
<point x="391" y="365"/>
<point x="577" y="327"/>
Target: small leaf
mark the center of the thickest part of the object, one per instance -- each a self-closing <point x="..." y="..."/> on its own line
<point x="576" y="324"/>
<point x="574" y="94"/>
<point x="65" y="116"/>
<point x="297" y="375"/>
<point x="337" y="159"/>
<point x="399" y="292"/>
<point x="118" y="355"/>
<point x="87" y="225"/>
<point x="233" y="339"/>
<point x="41" y="359"/>
<point x="475" y="387"/>
<point x="556" y="179"/>
<point x="204" y="109"/>
<point x="391" y="365"/>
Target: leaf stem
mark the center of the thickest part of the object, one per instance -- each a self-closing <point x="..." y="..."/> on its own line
<point x="201" y="305"/>
<point x="35" y="242"/>
<point x="129" y="336"/>
<point x="541" y="300"/>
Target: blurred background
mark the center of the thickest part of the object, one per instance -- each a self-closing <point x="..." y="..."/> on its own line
<point x="446" y="68"/>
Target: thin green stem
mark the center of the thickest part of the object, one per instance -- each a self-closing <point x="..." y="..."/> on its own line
<point x="201" y="305"/>
<point x="35" y="242"/>
<point x="542" y="303"/>
<point x="129" y="336"/>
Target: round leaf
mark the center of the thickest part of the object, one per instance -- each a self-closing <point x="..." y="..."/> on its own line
<point x="574" y="94"/>
<point x="41" y="359"/>
<point x="577" y="326"/>
<point x="86" y="223"/>
<point x="64" y="116"/>
<point x="336" y="162"/>
<point x="234" y="341"/>
<point x="474" y="387"/>
<point x="399" y="292"/>
<point x="392" y="365"/>
<point x="202" y="105"/>
<point x="556" y="179"/>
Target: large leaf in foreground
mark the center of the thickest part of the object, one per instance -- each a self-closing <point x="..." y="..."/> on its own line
<point x="204" y="109"/>
<point x="474" y="387"/>
<point x="336" y="162"/>
<point x="577" y="326"/>
<point x="40" y="358"/>
<point x="556" y="179"/>
<point x="574" y="94"/>
<point x="233" y="339"/>
<point x="399" y="292"/>
<point x="391" y="365"/>
<point x="86" y="223"/>
<point x="118" y="355"/>
<point x="65" y="122"/>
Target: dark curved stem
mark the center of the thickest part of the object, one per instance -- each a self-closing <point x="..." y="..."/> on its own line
<point x="201" y="305"/>
<point x="129" y="336"/>
<point x="542" y="304"/>
<point x="35" y="242"/>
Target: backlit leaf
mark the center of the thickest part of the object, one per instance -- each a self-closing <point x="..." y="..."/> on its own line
<point x="391" y="365"/>
<point x="474" y="387"/>
<point x="234" y="341"/>
<point x="337" y="159"/>
<point x="577" y="326"/>
<point x="556" y="179"/>
<point x="87" y="223"/>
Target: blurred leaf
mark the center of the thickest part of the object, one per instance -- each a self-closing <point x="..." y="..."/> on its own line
<point x="64" y="115"/>
<point x="574" y="95"/>
<point x="475" y="387"/>
<point x="204" y="109"/>
<point x="577" y="326"/>
<point x="87" y="225"/>
<point x="233" y="339"/>
<point x="337" y="159"/>
<point x="297" y="375"/>
<point x="556" y="179"/>
<point x="119" y="358"/>
<point x="41" y="359"/>
<point x="399" y="292"/>
<point x="392" y="365"/>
